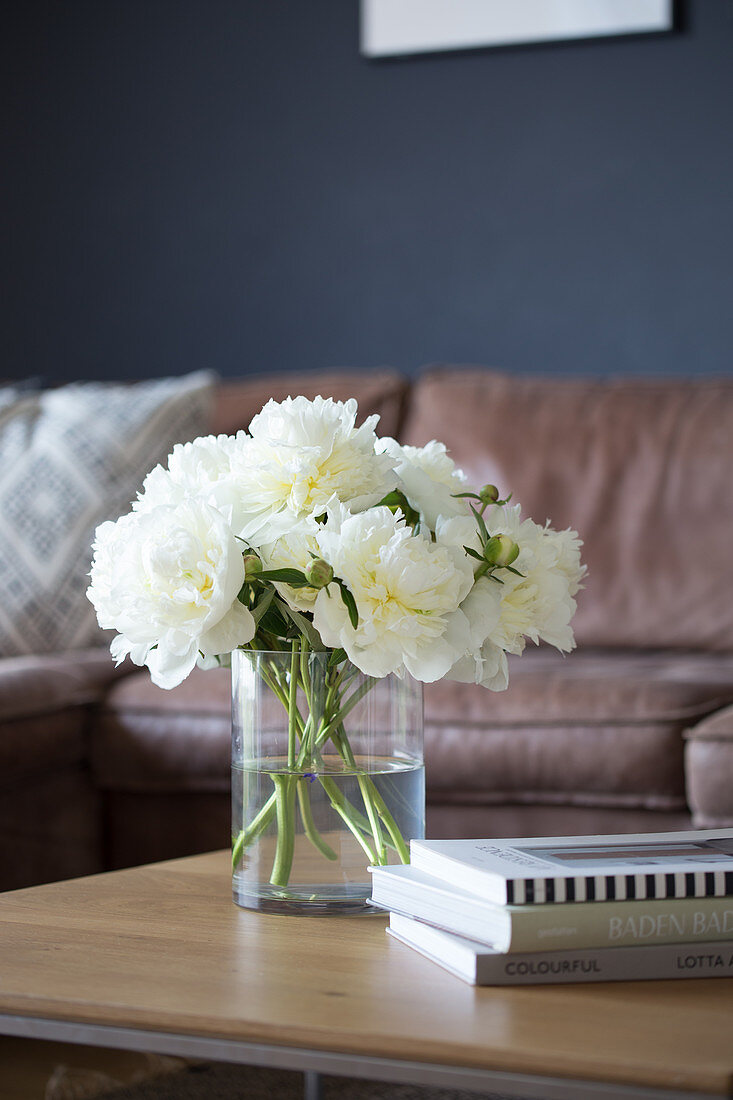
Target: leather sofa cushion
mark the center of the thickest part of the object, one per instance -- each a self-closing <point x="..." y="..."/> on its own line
<point x="709" y="759"/>
<point x="50" y="816"/>
<point x="148" y="739"/>
<point x="601" y="729"/>
<point x="50" y="828"/>
<point x="640" y="468"/>
<point x="145" y="827"/>
<point x="597" y="728"/>
<point x="379" y="391"/>
<point x="450" y="819"/>
<point x="44" y="704"/>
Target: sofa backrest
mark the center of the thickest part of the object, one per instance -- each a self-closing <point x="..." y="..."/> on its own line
<point x="376" y="391"/>
<point x="642" y="469"/>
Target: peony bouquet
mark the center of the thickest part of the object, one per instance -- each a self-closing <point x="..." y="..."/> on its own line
<point x="312" y="536"/>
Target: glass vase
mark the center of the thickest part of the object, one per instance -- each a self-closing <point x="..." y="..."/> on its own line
<point x="327" y="779"/>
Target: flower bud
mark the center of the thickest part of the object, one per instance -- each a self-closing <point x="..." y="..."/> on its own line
<point x="489" y="494"/>
<point x="501" y="551"/>
<point x="318" y="573"/>
<point x="252" y="566"/>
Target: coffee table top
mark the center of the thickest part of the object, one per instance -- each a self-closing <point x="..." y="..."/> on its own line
<point x="164" y="948"/>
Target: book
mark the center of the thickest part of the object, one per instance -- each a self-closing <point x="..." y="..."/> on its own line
<point x="562" y="870"/>
<point x="510" y="928"/>
<point x="478" y="964"/>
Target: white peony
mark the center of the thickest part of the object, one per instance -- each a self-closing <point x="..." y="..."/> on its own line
<point x="199" y="469"/>
<point x="429" y="478"/>
<point x="295" y="550"/>
<point x="407" y="591"/>
<point x="167" y="580"/>
<point x="167" y="575"/>
<point x="216" y="470"/>
<point x="538" y="605"/>
<point x="303" y="453"/>
<point x="484" y="661"/>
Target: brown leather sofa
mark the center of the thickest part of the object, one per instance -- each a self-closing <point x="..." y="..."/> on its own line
<point x="634" y="730"/>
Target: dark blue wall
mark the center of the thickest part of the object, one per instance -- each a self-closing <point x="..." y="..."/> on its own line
<point x="227" y="183"/>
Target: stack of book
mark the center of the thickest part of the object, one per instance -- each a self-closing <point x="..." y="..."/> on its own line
<point x="567" y="909"/>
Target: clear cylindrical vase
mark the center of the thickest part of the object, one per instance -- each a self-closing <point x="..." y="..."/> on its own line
<point x="327" y="779"/>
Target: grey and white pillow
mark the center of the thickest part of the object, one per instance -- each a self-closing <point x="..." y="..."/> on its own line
<point x="69" y="459"/>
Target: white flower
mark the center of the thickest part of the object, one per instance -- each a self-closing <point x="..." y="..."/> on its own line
<point x="216" y="470"/>
<point x="407" y="591"/>
<point x="167" y="575"/>
<point x="303" y="453"/>
<point x="429" y="478"/>
<point x="484" y="662"/>
<point x="167" y="580"/>
<point x="294" y="550"/>
<point x="538" y="605"/>
<point x="558" y="574"/>
<point x="563" y="547"/>
<point x="201" y="468"/>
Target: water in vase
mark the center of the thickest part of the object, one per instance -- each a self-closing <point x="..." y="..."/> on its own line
<point x="309" y="836"/>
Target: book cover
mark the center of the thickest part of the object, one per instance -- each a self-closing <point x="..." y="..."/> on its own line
<point x="406" y="889"/>
<point x="478" y="964"/>
<point x="563" y="870"/>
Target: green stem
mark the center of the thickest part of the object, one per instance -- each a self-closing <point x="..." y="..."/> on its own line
<point x="346" y="708"/>
<point x="316" y="730"/>
<point x="304" y="677"/>
<point x="292" y="702"/>
<point x="285" y="847"/>
<point x="256" y="826"/>
<point x="389" y="821"/>
<point x="369" y="795"/>
<point x="373" y="819"/>
<point x="309" y="825"/>
<point x="339" y="804"/>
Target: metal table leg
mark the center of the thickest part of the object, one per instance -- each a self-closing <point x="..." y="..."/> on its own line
<point x="312" y="1086"/>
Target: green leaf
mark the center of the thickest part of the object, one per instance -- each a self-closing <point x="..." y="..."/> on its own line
<point x="350" y="603"/>
<point x="304" y="625"/>
<point x="473" y="553"/>
<point x="292" y="577"/>
<point x="397" y="500"/>
<point x="337" y="657"/>
<point x="511" y="569"/>
<point x="460" y="496"/>
<point x="481" y="525"/>
<point x="272" y="622"/>
<point x="260" y="609"/>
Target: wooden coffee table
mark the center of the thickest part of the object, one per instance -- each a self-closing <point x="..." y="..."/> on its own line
<point x="158" y="958"/>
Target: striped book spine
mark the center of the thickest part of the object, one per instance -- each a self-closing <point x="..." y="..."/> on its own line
<point x="623" y="887"/>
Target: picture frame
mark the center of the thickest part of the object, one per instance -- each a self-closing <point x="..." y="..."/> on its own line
<point x="392" y="28"/>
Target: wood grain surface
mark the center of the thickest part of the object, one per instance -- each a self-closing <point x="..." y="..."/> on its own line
<point x="164" y="948"/>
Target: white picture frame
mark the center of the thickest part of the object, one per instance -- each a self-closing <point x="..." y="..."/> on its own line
<point x="402" y="27"/>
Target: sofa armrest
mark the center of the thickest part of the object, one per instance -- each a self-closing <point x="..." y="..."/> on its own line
<point x="50" y="817"/>
<point x="44" y="706"/>
<point x="709" y="770"/>
<point x="37" y="685"/>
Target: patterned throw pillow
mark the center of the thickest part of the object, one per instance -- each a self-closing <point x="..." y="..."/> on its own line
<point x="69" y="459"/>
